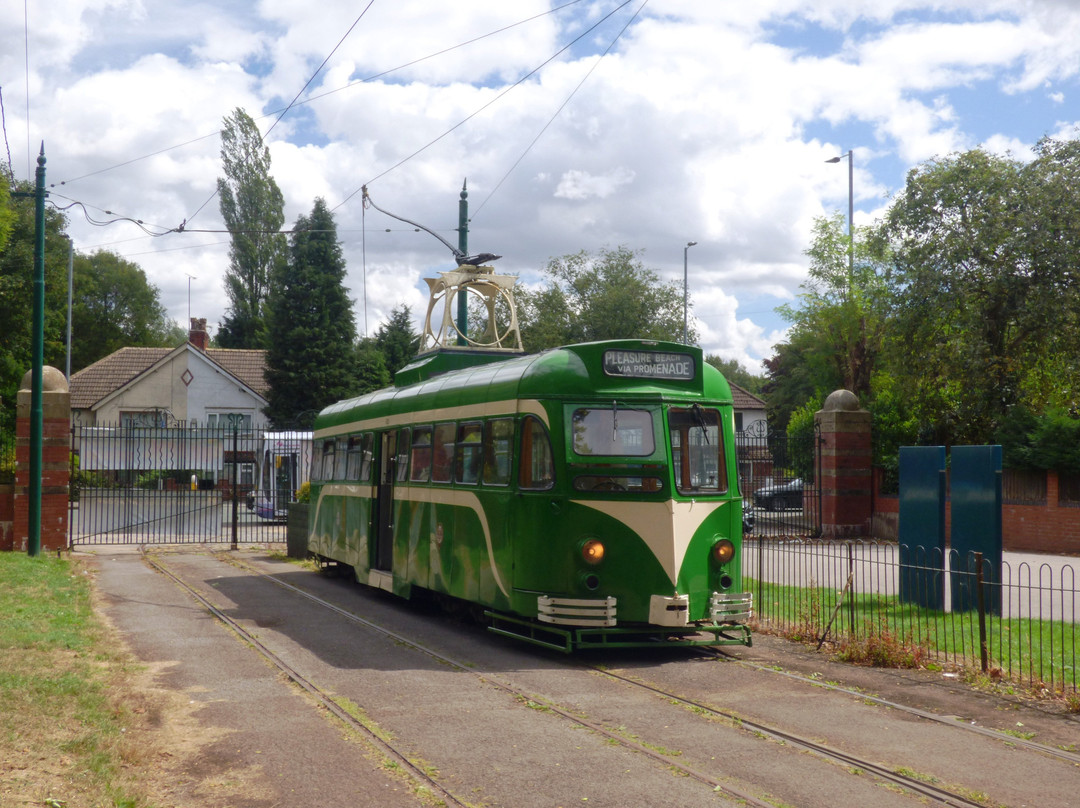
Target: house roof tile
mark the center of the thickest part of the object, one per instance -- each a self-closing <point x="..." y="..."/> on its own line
<point x="744" y="399"/>
<point x="95" y="382"/>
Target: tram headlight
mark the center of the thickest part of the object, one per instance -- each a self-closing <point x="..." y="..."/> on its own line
<point x="592" y="551"/>
<point x="723" y="551"/>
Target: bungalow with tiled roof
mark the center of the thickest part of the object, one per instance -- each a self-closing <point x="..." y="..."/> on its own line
<point x="749" y="410"/>
<point x="191" y="385"/>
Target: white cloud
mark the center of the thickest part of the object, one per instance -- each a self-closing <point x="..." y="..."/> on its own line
<point x="707" y="122"/>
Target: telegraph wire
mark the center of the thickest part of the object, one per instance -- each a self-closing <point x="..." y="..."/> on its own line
<point x="262" y="136"/>
<point x="7" y="145"/>
<point x="498" y="97"/>
<point x="562" y="106"/>
<point x="318" y="70"/>
<point x="26" y="72"/>
<point x="322" y="95"/>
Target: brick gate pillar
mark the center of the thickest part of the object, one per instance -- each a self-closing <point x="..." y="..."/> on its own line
<point x="55" y="462"/>
<point x="846" y="476"/>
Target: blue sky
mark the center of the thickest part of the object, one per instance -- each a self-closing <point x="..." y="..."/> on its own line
<point x="707" y="122"/>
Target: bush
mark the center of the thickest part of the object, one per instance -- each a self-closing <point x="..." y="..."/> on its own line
<point x="303" y="494"/>
<point x="1050" y="441"/>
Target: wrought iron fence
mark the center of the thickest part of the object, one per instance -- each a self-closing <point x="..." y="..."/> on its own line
<point x="1022" y="624"/>
<point x="778" y="477"/>
<point x="139" y="484"/>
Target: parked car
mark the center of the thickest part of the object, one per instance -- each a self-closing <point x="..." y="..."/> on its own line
<point x="747" y="518"/>
<point x="780" y="496"/>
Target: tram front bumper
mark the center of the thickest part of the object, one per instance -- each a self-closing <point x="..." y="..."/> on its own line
<point x="672" y="612"/>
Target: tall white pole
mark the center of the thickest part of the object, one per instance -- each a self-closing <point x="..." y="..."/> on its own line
<point x="686" y="249"/>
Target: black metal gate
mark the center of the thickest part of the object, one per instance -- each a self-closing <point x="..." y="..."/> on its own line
<point x="779" y="476"/>
<point x="145" y="485"/>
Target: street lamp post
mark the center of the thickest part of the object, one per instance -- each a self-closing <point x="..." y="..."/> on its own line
<point x="850" y="205"/>
<point x="686" y="249"/>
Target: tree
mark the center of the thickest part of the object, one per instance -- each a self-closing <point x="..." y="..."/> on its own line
<point x="253" y="208"/>
<point x="16" y="290"/>
<point x="611" y="295"/>
<point x="838" y="326"/>
<point x="115" y="306"/>
<point x="841" y="311"/>
<point x="311" y="361"/>
<point x="371" y="372"/>
<point x="396" y="340"/>
<point x="983" y="287"/>
<point x="735" y="372"/>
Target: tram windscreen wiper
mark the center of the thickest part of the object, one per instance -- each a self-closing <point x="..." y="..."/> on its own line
<point x="614" y="421"/>
<point x="699" y="416"/>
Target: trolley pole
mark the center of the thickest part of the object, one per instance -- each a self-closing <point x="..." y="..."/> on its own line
<point x="463" y="245"/>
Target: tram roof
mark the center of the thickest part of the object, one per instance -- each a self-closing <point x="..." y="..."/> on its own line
<point x="569" y="372"/>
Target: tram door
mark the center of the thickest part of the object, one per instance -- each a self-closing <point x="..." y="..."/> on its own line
<point x="384" y="503"/>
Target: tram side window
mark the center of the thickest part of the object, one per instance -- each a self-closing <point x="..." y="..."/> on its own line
<point x="537" y="466"/>
<point x="355" y="456"/>
<point x="327" y="471"/>
<point x="421" y="455"/>
<point x="498" y="440"/>
<point x="469" y="455"/>
<point x="366" y="458"/>
<point x="697" y="450"/>
<point x="341" y="455"/>
<point x="402" y="455"/>
<point x="442" y="453"/>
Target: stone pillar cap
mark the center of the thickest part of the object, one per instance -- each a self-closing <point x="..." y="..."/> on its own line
<point x="843" y="400"/>
<point x="52" y="380"/>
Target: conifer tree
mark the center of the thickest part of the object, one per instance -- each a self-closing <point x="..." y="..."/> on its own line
<point x="311" y="360"/>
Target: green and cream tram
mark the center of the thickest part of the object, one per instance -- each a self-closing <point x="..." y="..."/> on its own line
<point x="583" y="496"/>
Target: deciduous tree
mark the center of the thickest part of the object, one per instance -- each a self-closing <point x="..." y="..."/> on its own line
<point x="114" y="305"/>
<point x="610" y="295"/>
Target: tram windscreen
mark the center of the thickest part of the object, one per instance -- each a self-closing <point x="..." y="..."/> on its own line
<point x="697" y="450"/>
<point x="613" y="432"/>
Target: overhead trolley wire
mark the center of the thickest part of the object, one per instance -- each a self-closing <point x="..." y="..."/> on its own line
<point x="327" y="93"/>
<point x="562" y="106"/>
<point x="498" y="97"/>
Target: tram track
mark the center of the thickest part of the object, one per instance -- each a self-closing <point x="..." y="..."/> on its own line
<point x="949" y="721"/>
<point x="332" y="705"/>
<point x="915" y="785"/>
<point x="418" y="774"/>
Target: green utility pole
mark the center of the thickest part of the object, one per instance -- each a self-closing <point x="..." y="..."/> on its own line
<point x="463" y="246"/>
<point x="33" y="543"/>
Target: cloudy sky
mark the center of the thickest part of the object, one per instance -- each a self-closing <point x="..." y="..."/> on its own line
<point x="578" y="126"/>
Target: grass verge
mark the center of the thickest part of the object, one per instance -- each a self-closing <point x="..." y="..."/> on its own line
<point x="881" y="630"/>
<point x="63" y="731"/>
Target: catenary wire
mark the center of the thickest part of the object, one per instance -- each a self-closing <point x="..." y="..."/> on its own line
<point x="498" y="97"/>
<point x="320" y="96"/>
<point x="262" y="137"/>
<point x="562" y="106"/>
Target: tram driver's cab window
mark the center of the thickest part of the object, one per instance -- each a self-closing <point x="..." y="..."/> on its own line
<point x="537" y="466"/>
<point x="697" y="451"/>
<point x="612" y="432"/>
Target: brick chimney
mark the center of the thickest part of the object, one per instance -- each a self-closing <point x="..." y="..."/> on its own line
<point x="197" y="336"/>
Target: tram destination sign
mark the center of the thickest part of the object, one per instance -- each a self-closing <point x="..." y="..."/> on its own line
<point x="649" y="365"/>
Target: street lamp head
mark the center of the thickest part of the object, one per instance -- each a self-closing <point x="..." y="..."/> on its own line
<point x="834" y="159"/>
<point x="691" y="243"/>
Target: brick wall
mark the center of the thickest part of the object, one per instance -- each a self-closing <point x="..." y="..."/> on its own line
<point x="1050" y="527"/>
<point x="7" y="517"/>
